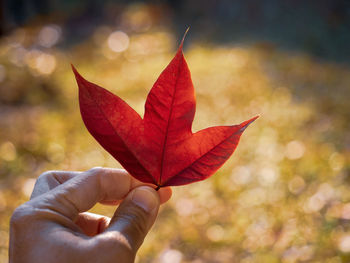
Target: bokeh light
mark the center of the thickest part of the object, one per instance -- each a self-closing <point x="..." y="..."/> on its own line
<point x="171" y="256"/>
<point x="8" y="151"/>
<point x="118" y="41"/>
<point x="45" y="63"/>
<point x="49" y="36"/>
<point x="295" y="150"/>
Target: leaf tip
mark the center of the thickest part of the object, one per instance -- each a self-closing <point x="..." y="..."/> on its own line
<point x="76" y="73"/>
<point x="79" y="78"/>
<point x="183" y="38"/>
<point x="244" y="125"/>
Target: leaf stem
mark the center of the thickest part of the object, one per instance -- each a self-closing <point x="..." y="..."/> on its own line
<point x="158" y="187"/>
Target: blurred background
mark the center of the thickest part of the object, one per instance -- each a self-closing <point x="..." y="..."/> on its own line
<point x="284" y="194"/>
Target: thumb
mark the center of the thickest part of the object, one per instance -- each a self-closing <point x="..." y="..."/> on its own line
<point x="136" y="215"/>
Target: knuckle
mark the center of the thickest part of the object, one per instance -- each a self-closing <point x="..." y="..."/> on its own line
<point x="95" y="170"/>
<point x="45" y="176"/>
<point x="20" y="216"/>
<point x="96" y="173"/>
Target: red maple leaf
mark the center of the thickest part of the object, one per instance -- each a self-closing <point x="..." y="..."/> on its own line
<point x="160" y="148"/>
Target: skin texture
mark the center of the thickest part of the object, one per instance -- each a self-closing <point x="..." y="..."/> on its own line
<point x="55" y="227"/>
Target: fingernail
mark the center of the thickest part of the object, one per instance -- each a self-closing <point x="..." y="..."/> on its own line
<point x="144" y="198"/>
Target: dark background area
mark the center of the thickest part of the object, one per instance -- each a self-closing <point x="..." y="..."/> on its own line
<point x="318" y="27"/>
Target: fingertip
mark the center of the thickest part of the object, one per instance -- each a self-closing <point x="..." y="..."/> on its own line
<point x="145" y="197"/>
<point x="164" y="194"/>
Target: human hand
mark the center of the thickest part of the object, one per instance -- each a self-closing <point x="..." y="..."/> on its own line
<point x="52" y="226"/>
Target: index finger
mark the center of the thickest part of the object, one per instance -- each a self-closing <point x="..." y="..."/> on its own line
<point x="52" y="179"/>
<point x="83" y="191"/>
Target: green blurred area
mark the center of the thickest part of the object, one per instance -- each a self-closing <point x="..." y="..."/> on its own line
<point x="282" y="197"/>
